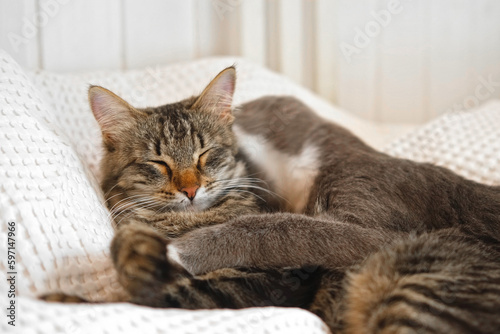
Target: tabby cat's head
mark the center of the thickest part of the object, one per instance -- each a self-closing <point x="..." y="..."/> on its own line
<point x="174" y="157"/>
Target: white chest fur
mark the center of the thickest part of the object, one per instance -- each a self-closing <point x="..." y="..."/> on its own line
<point x="292" y="176"/>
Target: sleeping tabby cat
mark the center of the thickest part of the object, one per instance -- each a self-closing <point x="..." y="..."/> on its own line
<point x="368" y="242"/>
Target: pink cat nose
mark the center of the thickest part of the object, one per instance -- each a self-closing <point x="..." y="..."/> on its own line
<point x="190" y="192"/>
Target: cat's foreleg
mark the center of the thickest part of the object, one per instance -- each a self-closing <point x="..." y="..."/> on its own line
<point x="152" y="279"/>
<point x="275" y="241"/>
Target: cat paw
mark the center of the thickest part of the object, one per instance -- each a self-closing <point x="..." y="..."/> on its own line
<point x="140" y="258"/>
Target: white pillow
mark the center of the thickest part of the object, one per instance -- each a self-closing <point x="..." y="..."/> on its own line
<point x="466" y="142"/>
<point x="62" y="228"/>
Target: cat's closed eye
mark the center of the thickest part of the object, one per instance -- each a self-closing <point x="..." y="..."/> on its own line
<point x="202" y="158"/>
<point x="162" y="166"/>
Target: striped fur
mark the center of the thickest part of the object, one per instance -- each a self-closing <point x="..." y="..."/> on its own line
<point x="430" y="284"/>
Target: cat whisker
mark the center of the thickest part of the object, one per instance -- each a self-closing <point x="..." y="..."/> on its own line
<point x="235" y="190"/>
<point x="242" y="185"/>
<point x="117" y="207"/>
<point x="109" y="198"/>
<point x="239" y="179"/>
<point x="107" y="193"/>
<point x="163" y="207"/>
<point x="133" y="204"/>
<point x="147" y="206"/>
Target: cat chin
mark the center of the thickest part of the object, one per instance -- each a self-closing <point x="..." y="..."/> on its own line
<point x="190" y="208"/>
<point x="194" y="206"/>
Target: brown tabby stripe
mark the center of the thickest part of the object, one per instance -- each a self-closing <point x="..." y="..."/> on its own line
<point x="440" y="314"/>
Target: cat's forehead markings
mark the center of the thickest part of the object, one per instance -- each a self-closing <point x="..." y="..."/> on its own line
<point x="158" y="146"/>
<point x="200" y="139"/>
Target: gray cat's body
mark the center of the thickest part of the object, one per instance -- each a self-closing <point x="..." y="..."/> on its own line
<point x="379" y="244"/>
<point x="433" y="235"/>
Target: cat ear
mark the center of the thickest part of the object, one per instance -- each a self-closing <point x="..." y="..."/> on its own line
<point x="111" y="112"/>
<point x="217" y="97"/>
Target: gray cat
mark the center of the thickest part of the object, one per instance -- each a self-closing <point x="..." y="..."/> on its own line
<point x="369" y="242"/>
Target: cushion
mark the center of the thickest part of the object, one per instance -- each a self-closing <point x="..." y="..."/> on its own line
<point x="467" y="142"/>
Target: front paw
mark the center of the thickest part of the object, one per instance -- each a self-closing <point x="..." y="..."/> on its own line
<point x="139" y="255"/>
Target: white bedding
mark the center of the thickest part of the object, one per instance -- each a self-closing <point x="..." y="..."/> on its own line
<point x="49" y="153"/>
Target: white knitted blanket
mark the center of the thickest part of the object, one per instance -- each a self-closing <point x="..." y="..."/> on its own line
<point x="49" y="152"/>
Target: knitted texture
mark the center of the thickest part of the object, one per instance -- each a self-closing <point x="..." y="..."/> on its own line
<point x="468" y="143"/>
<point x="49" y="154"/>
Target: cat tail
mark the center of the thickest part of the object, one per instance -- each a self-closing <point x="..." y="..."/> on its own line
<point x="427" y="284"/>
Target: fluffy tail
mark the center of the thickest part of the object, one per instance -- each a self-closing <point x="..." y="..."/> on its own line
<point x="428" y="284"/>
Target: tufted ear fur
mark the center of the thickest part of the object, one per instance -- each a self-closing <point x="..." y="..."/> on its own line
<point x="111" y="112"/>
<point x="217" y="97"/>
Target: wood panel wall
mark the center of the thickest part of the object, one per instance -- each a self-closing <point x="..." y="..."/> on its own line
<point x="385" y="60"/>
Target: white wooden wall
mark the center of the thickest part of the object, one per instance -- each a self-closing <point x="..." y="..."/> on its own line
<point x="428" y="57"/>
